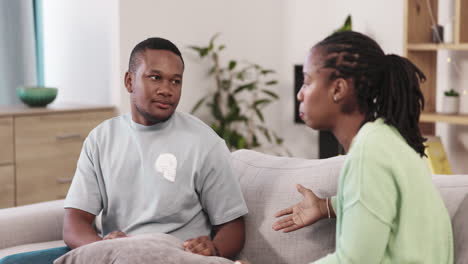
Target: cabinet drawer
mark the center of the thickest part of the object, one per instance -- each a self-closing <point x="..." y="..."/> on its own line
<point x="7" y="186"/>
<point x="47" y="150"/>
<point x="6" y="140"/>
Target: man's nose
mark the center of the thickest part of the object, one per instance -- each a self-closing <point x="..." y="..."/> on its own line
<point x="164" y="89"/>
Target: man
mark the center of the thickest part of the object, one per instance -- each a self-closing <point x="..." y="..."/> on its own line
<point x="155" y="170"/>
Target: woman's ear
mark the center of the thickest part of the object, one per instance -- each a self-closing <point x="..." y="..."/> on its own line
<point x="341" y="89"/>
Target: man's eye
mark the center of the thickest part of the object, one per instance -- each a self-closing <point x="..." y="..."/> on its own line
<point x="155" y="77"/>
<point x="176" y="81"/>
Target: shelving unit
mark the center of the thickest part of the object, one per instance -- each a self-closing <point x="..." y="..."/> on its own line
<point x="420" y="50"/>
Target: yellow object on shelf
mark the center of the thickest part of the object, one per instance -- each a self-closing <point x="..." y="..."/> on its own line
<point x="436" y="156"/>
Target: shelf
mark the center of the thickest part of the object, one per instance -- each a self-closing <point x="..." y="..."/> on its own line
<point x="434" y="47"/>
<point x="451" y="119"/>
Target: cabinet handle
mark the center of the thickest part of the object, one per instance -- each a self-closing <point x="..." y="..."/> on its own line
<point x="68" y="136"/>
<point x="64" y="180"/>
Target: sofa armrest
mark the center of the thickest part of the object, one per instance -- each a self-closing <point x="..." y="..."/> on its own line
<point x="40" y="222"/>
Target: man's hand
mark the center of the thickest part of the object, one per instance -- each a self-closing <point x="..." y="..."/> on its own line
<point x="301" y="214"/>
<point x="114" y="235"/>
<point x="201" y="246"/>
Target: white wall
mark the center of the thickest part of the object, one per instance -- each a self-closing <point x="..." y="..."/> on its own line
<point x="251" y="30"/>
<point x="87" y="55"/>
<point x="275" y="34"/>
<point x="307" y="22"/>
<point x="248" y="32"/>
<point x="79" y="49"/>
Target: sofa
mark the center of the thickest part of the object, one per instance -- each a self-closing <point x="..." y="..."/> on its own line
<point x="268" y="184"/>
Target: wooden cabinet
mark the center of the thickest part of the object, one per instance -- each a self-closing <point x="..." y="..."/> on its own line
<point x="43" y="146"/>
<point x="420" y="17"/>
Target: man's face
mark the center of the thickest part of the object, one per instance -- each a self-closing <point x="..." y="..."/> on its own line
<point x="155" y="86"/>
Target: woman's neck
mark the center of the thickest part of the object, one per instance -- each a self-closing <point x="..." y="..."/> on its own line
<point x="346" y="128"/>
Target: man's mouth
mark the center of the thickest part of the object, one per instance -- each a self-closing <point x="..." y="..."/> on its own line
<point x="163" y="105"/>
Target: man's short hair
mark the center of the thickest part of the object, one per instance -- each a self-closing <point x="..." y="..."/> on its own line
<point x="154" y="44"/>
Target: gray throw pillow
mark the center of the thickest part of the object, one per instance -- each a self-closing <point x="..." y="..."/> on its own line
<point x="460" y="232"/>
<point x="141" y="249"/>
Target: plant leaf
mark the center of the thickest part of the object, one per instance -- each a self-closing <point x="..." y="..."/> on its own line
<point x="202" y="51"/>
<point x="259" y="114"/>
<point x="195" y="48"/>
<point x="240" y="75"/>
<point x="266" y="133"/>
<point x="254" y="141"/>
<point x="249" y="86"/>
<point x="226" y="84"/>
<point x="220" y="48"/>
<point x="270" y="93"/>
<point x="241" y="142"/>
<point x="232" y="64"/>
<point x="272" y="82"/>
<point x="215" y="109"/>
<point x="197" y="105"/>
<point x="265" y="72"/>
<point x="261" y="102"/>
<point x="213" y="38"/>
<point x="348" y="25"/>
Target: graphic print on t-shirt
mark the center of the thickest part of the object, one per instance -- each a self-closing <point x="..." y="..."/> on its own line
<point x="167" y="164"/>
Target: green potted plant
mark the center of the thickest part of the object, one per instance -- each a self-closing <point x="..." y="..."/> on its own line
<point x="347" y="25"/>
<point x="236" y="104"/>
<point x="450" y="102"/>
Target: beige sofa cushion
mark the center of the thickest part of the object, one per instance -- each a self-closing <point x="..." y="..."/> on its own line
<point x="268" y="184"/>
<point x="459" y="223"/>
<point x="454" y="189"/>
<point x="141" y="249"/>
<point x="30" y="224"/>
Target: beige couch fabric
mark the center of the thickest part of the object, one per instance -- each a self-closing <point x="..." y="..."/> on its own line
<point x="30" y="224"/>
<point x="268" y="184"/>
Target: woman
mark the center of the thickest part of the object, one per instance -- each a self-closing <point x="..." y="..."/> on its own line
<point x="387" y="209"/>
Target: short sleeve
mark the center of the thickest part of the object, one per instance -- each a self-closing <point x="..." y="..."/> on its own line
<point x="84" y="192"/>
<point x="218" y="188"/>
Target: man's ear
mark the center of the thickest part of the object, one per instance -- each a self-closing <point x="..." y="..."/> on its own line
<point x="128" y="81"/>
<point x="341" y="89"/>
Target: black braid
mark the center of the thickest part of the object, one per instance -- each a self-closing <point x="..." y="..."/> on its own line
<point x="386" y="86"/>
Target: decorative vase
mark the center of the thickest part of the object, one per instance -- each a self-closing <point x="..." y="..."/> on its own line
<point x="450" y="104"/>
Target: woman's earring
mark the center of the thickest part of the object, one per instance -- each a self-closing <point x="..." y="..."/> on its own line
<point x="335" y="99"/>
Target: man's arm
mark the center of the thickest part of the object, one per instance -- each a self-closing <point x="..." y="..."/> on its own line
<point x="230" y="238"/>
<point x="227" y="242"/>
<point x="78" y="228"/>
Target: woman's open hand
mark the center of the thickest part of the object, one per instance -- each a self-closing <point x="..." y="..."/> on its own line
<point x="301" y="214"/>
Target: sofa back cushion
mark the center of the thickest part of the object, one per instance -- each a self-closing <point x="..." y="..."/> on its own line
<point x="454" y="189"/>
<point x="268" y="184"/>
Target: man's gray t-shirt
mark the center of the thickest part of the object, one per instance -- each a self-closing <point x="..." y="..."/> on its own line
<point x="174" y="177"/>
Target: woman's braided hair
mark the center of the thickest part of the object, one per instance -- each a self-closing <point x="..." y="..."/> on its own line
<point x="387" y="86"/>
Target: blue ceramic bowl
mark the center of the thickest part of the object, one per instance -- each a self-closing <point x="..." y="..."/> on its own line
<point x="37" y="96"/>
